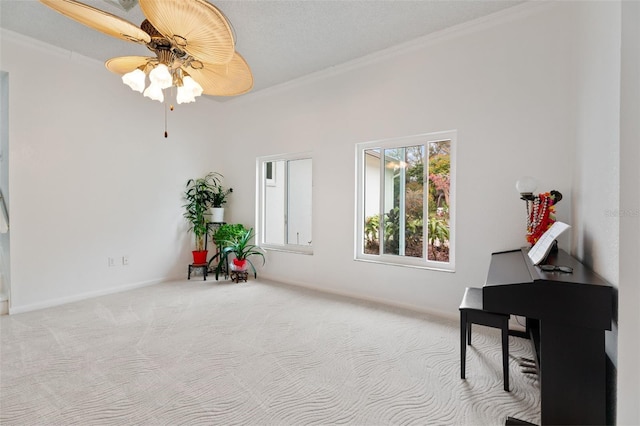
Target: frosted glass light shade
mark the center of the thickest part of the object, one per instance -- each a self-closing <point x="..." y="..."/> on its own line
<point x="161" y="76"/>
<point x="188" y="91"/>
<point x="192" y="85"/>
<point x="526" y="185"/>
<point x="184" y="95"/>
<point x="154" y="92"/>
<point x="135" y="79"/>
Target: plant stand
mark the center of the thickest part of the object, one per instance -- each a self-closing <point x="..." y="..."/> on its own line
<point x="203" y="266"/>
<point x="237" y="276"/>
<point x="213" y="226"/>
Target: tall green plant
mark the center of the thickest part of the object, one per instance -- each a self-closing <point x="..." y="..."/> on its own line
<point x="199" y="195"/>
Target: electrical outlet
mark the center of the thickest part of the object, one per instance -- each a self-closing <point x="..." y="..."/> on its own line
<point x="111" y="261"/>
<point x="125" y="260"/>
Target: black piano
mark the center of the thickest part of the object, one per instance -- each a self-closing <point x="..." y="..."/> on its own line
<point x="567" y="315"/>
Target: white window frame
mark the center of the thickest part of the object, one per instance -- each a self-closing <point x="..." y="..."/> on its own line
<point x="406" y="261"/>
<point x="261" y="185"/>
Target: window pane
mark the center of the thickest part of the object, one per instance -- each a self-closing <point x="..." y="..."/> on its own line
<point x="414" y="201"/>
<point x="268" y="173"/>
<point x="439" y="185"/>
<point x="299" y="217"/>
<point x="393" y="169"/>
<point x="404" y="205"/>
<point x="372" y="201"/>
<point x="274" y="203"/>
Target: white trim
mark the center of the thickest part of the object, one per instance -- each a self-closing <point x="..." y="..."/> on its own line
<point x="361" y="297"/>
<point x="44" y="47"/>
<point x="75" y="298"/>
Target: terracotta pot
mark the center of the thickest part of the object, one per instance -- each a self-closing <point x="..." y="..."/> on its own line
<point x="199" y="256"/>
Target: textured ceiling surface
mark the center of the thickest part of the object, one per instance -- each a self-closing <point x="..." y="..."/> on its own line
<point x="281" y="40"/>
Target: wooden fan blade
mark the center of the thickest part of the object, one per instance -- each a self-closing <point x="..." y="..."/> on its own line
<point x="230" y="79"/>
<point x="99" y="20"/>
<point x="195" y="26"/>
<point x="124" y="64"/>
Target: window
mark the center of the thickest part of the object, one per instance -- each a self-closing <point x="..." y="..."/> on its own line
<point x="284" y="202"/>
<point x="406" y="200"/>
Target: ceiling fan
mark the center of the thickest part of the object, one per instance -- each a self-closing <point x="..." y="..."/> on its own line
<point x="192" y="41"/>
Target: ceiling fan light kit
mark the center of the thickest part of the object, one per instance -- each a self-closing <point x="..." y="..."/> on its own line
<point x="192" y="41"/>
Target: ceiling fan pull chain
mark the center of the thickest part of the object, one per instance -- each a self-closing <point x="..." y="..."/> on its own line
<point x="165" y="121"/>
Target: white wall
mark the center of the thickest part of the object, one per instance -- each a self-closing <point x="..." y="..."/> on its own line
<point x="502" y="85"/>
<point x="5" y="272"/>
<point x="629" y="285"/>
<point x="92" y="176"/>
<point x="606" y="188"/>
<point x="597" y="110"/>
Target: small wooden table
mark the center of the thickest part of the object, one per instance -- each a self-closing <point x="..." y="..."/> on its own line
<point x="203" y="266"/>
<point x="237" y="276"/>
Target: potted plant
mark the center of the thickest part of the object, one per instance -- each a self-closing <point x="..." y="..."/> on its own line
<point x="242" y="250"/>
<point x="199" y="196"/>
<point x="227" y="232"/>
<point x="220" y="195"/>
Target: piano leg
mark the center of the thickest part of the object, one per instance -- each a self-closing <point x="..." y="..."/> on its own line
<point x="463" y="343"/>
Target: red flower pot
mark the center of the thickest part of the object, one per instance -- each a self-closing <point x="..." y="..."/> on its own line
<point x="240" y="264"/>
<point x="199" y="256"/>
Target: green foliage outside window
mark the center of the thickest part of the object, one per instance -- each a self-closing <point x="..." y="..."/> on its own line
<point x="438" y="187"/>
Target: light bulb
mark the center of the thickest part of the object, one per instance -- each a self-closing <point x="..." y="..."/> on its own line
<point x="154" y="92"/>
<point x="192" y="85"/>
<point x="161" y="76"/>
<point x="526" y="185"/>
<point x="184" y="95"/>
<point x="135" y="79"/>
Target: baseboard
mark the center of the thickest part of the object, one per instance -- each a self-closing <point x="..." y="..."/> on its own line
<point x="75" y="298"/>
<point x="409" y="307"/>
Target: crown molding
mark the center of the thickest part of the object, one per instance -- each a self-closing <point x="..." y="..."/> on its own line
<point x="41" y="46"/>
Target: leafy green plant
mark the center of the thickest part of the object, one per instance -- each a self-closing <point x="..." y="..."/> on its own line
<point x="438" y="230"/>
<point x="371" y="229"/>
<point x="242" y="249"/>
<point x="392" y="231"/>
<point x="199" y="195"/>
<point x="228" y="232"/>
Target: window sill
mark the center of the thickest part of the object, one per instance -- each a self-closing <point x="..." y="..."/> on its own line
<point x="308" y="252"/>
<point x="431" y="267"/>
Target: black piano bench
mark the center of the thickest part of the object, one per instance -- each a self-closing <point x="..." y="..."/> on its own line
<point x="471" y="312"/>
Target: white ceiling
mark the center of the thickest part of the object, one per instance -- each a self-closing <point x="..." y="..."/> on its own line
<point x="281" y="40"/>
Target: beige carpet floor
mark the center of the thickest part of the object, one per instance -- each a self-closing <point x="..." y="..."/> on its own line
<point x="256" y="353"/>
